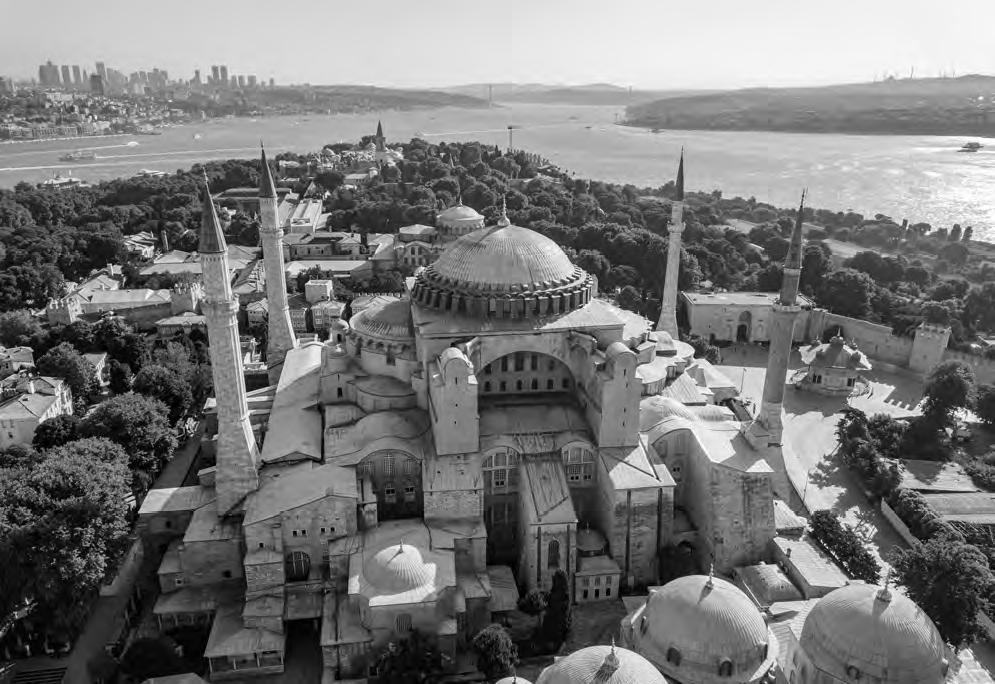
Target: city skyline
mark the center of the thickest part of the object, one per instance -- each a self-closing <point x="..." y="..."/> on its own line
<point x="548" y="43"/>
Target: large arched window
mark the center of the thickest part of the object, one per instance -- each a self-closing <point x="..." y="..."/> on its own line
<point x="403" y="623"/>
<point x="553" y="554"/>
<point x="500" y="471"/>
<point x="297" y="566"/>
<point x="725" y="668"/>
<point x="674" y="656"/>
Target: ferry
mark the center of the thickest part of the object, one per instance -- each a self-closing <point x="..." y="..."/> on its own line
<point x="82" y="155"/>
<point x="971" y="147"/>
<point x="60" y="182"/>
<point x="149" y="173"/>
<point x="197" y="136"/>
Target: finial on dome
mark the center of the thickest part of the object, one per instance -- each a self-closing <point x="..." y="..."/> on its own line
<point x="609" y="667"/>
<point x="885" y="593"/>
<point x="711" y="576"/>
<point x="400" y="547"/>
<point x="503" y="221"/>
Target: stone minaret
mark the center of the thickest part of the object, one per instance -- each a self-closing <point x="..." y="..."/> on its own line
<point x="767" y="429"/>
<point x="380" y="156"/>
<point x="237" y="453"/>
<point x="280" y="330"/>
<point x="668" y="308"/>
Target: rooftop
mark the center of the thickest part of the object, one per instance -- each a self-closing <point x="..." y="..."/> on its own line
<point x="936" y="477"/>
<point x="277" y="495"/>
<point x="739" y="299"/>
<point x="295" y="420"/>
<point x="968" y="507"/>
<point x="815" y="567"/>
<point x="205" y="525"/>
<point x="26" y="406"/>
<point x="175" y="499"/>
<point x="545" y="493"/>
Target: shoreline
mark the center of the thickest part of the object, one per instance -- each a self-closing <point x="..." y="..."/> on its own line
<point x="74" y="137"/>
<point x="795" y="131"/>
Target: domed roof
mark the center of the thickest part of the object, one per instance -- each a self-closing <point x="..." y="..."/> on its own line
<point x="601" y="665"/>
<point x="697" y="623"/>
<point x="880" y="633"/>
<point x="390" y="321"/>
<point x="338" y="324"/>
<point x="460" y="212"/>
<point x="398" y="568"/>
<point x="514" y="679"/>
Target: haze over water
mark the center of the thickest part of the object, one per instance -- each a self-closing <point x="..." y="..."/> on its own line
<point x="922" y="178"/>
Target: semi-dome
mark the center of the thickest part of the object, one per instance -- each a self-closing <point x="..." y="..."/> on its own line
<point x="862" y="631"/>
<point x="389" y="322"/>
<point x="504" y="271"/>
<point x="701" y="629"/>
<point x="398" y="568"/>
<point x="601" y="665"/>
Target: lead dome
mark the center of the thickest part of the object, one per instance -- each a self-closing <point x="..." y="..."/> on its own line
<point x="398" y="568"/>
<point x="861" y="631"/>
<point x="701" y="629"/>
<point x="601" y="665"/>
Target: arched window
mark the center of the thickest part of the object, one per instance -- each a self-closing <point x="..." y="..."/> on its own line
<point x="674" y="656"/>
<point x="549" y="384"/>
<point x="643" y="625"/>
<point x="487" y="386"/>
<point x="535" y="383"/>
<point x="554" y="554"/>
<point x="297" y="566"/>
<point x="853" y="672"/>
<point x="725" y="668"/>
<point x="403" y="623"/>
<point x="518" y="385"/>
<point x="566" y="383"/>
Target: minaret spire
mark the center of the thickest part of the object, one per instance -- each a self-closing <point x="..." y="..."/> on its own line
<point x="237" y="453"/>
<point x="668" y="306"/>
<point x="280" y="330"/>
<point x="767" y="430"/>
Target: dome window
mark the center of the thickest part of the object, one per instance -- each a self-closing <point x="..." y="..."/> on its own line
<point x="674" y="656"/>
<point x="853" y="672"/>
<point x="725" y="668"/>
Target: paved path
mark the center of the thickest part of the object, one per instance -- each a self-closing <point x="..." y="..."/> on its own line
<point x="810" y="439"/>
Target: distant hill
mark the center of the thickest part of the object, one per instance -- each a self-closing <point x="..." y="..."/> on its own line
<point x="355" y="98"/>
<point x="605" y="94"/>
<point x="935" y="106"/>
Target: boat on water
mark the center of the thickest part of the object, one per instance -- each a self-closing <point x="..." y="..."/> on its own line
<point x="149" y="173"/>
<point x="197" y="136"/>
<point x="971" y="147"/>
<point x="131" y="143"/>
<point x="60" y="182"/>
<point x="81" y="155"/>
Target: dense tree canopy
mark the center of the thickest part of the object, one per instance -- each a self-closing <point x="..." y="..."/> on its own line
<point x="496" y="652"/>
<point x="166" y="384"/>
<point x="65" y="362"/>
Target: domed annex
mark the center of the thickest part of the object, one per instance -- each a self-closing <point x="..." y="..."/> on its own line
<point x="398" y="568"/>
<point x="866" y="633"/>
<point x="504" y="271"/>
<point x="701" y="629"/>
<point x="458" y="220"/>
<point x="601" y="665"/>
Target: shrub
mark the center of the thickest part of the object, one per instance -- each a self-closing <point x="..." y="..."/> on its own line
<point x="845" y="546"/>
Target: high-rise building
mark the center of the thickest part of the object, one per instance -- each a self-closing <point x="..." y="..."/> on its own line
<point x="224" y="75"/>
<point x="6" y="85"/>
<point x="234" y="82"/>
<point x="98" y="84"/>
<point x="77" y="76"/>
<point x="215" y="74"/>
<point x="196" y="77"/>
<point x="241" y="81"/>
<point x="48" y="74"/>
<point x="272" y="84"/>
<point x="67" y="79"/>
<point x="252" y="81"/>
<point x="101" y="70"/>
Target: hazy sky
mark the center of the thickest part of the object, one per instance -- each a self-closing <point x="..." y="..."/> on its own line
<point x="643" y="43"/>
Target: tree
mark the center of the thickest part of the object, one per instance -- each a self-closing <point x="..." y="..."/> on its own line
<point x="413" y="660"/>
<point x="18" y="455"/>
<point x="18" y="328"/>
<point x="955" y="233"/>
<point x="985" y="404"/>
<point x="968" y="234"/>
<point x="847" y="292"/>
<point x="954" y="253"/>
<point x="120" y="377"/>
<point x="167" y="385"/>
<point x="630" y="299"/>
<point x="138" y="423"/>
<point x="496" y="652"/>
<point x="148" y="658"/>
<point x="557" y="620"/>
<point x="620" y="276"/>
<point x="533" y="603"/>
<point x="950" y="386"/>
<point x="951" y="581"/>
<point x="56" y="431"/>
<point x="65" y="362"/>
<point x="845" y="546"/>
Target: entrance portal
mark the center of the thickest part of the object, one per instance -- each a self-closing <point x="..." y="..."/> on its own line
<point x="745" y="328"/>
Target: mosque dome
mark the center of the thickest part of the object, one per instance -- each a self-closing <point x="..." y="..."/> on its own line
<point x="398" y="568"/>
<point x="862" y="631"/>
<point x="389" y="322"/>
<point x="460" y="212"/>
<point x="601" y="665"/>
<point x="504" y="271"/>
<point x="703" y="629"/>
<point x="514" y="679"/>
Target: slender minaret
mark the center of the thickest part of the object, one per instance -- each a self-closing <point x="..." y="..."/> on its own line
<point x="668" y="308"/>
<point x="380" y="156"/>
<point x="768" y="427"/>
<point x="280" y="331"/>
<point x="237" y="453"/>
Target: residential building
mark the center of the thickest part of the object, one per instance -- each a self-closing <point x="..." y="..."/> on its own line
<point x="26" y="401"/>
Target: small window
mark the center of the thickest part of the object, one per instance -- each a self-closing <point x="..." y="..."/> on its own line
<point x="504" y="364"/>
<point x="597" y="581"/>
<point x="226" y="574"/>
<point x="519" y="361"/>
<point x="554" y="554"/>
<point x="725" y="668"/>
<point x="535" y="362"/>
<point x="403" y="623"/>
<point x="339" y="391"/>
<point x="608" y="580"/>
<point x="409" y="467"/>
<point x="853" y="672"/>
<point x="518" y="385"/>
<point x="597" y="593"/>
<point x="549" y="384"/>
<point x="566" y="383"/>
<point x="585" y="593"/>
<point x="608" y="592"/>
<point x="323" y="530"/>
<point x="169" y="524"/>
<point x="535" y="383"/>
<point x="388" y="466"/>
<point x="673" y="655"/>
<point x="487" y="369"/>
<point x="294" y="533"/>
<point x="261" y="545"/>
<point x="487" y="386"/>
<point x="504" y="386"/>
<point x="586" y="581"/>
<point x="551" y="365"/>
<point x="500" y="479"/>
<point x="303" y="533"/>
<point x="179" y="581"/>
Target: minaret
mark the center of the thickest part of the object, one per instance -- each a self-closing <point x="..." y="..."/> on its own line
<point x="380" y="156"/>
<point x="237" y="453"/>
<point x="668" y="307"/>
<point x="280" y="331"/>
<point x="768" y="428"/>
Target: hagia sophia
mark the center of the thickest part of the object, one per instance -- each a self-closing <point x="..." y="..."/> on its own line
<point x="448" y="450"/>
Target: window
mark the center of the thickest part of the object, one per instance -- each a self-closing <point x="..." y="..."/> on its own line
<point x="487" y="385"/>
<point x="554" y="554"/>
<point x="323" y="530"/>
<point x="850" y="382"/>
<point x="504" y="385"/>
<point x="409" y="493"/>
<point x="549" y="384"/>
<point x="261" y="545"/>
<point x="608" y="580"/>
<point x="339" y="392"/>
<point x="504" y="364"/>
<point x="573" y="473"/>
<point x="390" y="492"/>
<point x="403" y="623"/>
<point x="388" y="466"/>
<point x="409" y="467"/>
<point x="519" y="361"/>
<point x="608" y="592"/>
<point x="673" y="655"/>
<point x="500" y="478"/>
<point x="226" y="574"/>
<point x="817" y="379"/>
<point x="551" y="365"/>
<point x="390" y="358"/>
<point x="169" y="524"/>
<point x="535" y="383"/>
<point x="518" y="385"/>
<point x="487" y="369"/>
<point x="588" y="472"/>
<point x="294" y="533"/>
<point x="303" y="533"/>
<point x="725" y="668"/>
<point x="597" y="593"/>
<point x="597" y="581"/>
<point x="368" y="468"/>
<point x="535" y="362"/>
<point x="566" y="383"/>
<point x="853" y="672"/>
<point x="585" y="593"/>
<point x="586" y="581"/>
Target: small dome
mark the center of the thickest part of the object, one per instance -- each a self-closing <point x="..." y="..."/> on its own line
<point x="863" y="629"/>
<point x="390" y="321"/>
<point x="514" y="679"/>
<point x="590" y="541"/>
<point x="338" y="325"/>
<point x="700" y="623"/>
<point x="460" y="212"/>
<point x="601" y="665"/>
<point x="397" y="569"/>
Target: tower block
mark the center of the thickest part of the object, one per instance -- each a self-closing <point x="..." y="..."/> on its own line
<point x="668" y="309"/>
<point x="768" y="428"/>
<point x="280" y="331"/>
<point x="237" y="453"/>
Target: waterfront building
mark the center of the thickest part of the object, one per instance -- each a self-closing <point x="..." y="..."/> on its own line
<point x="77" y="76"/>
<point x="223" y="75"/>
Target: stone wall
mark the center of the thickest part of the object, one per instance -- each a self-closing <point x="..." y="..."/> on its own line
<point x="903" y="531"/>
<point x="877" y="341"/>
<point x="984" y="369"/>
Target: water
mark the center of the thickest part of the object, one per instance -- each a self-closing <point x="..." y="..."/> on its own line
<point x="922" y="178"/>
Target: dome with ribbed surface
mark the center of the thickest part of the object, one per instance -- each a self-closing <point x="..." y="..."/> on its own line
<point x="513" y="679"/>
<point x="398" y="568"/>
<point x="460" y="212"/>
<point x="504" y="271"/>
<point x="390" y="321"/>
<point x="700" y="630"/>
<point x="601" y="665"/>
<point x="883" y="635"/>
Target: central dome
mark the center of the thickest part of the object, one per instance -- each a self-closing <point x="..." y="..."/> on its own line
<point x="397" y="569"/>
<point x="862" y="630"/>
<point x="601" y="665"/>
<point x="697" y="627"/>
<point x="526" y="270"/>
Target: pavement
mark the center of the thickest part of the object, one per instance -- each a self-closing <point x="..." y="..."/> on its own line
<point x="810" y="438"/>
